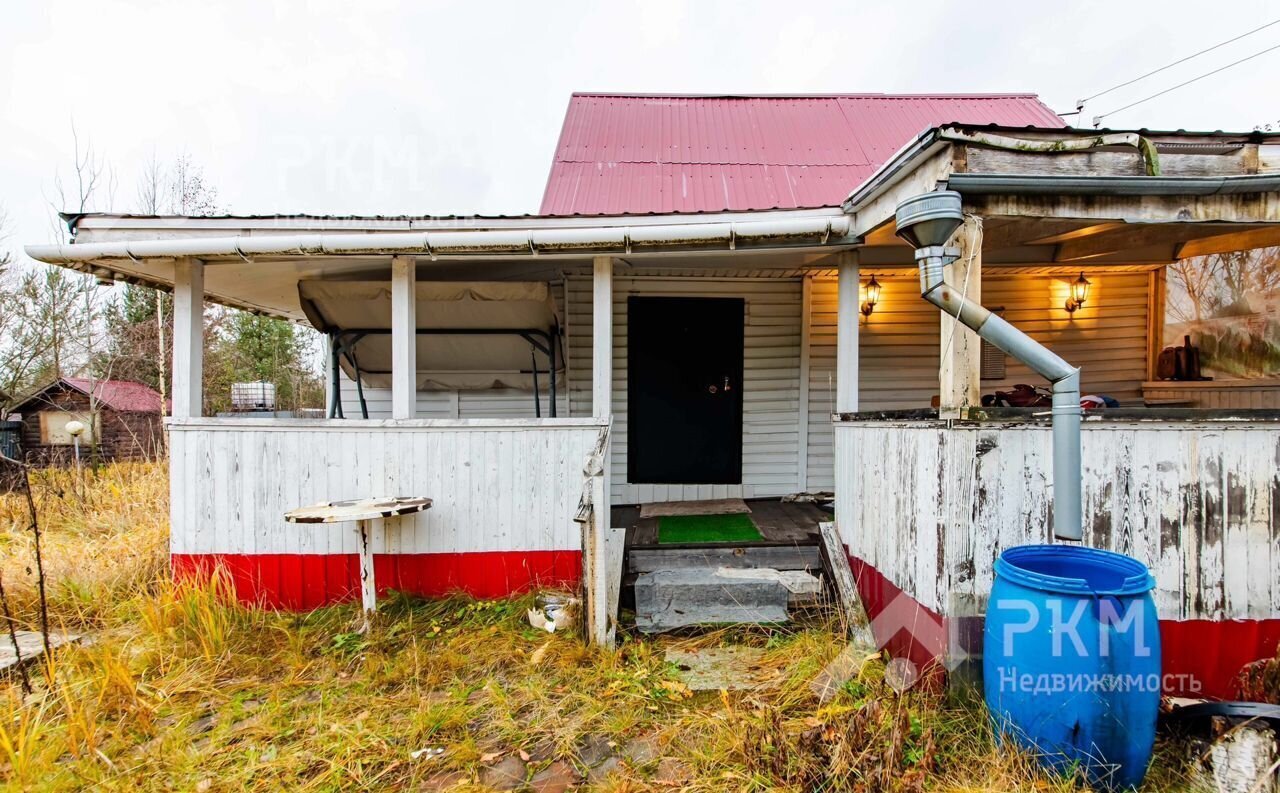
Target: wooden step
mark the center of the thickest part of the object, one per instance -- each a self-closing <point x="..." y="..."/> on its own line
<point x="650" y="559"/>
<point x="670" y="599"/>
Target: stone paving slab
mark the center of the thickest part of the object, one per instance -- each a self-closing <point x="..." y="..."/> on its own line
<point x="30" y="646"/>
<point x="730" y="668"/>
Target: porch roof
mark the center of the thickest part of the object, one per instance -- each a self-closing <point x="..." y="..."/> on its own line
<point x="1075" y="196"/>
<point x="257" y="262"/>
<point x="1048" y="197"/>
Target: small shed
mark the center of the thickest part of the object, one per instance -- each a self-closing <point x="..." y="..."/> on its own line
<point x="125" y="420"/>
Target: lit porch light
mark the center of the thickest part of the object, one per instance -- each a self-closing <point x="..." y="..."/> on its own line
<point x="1079" y="294"/>
<point x="870" y="296"/>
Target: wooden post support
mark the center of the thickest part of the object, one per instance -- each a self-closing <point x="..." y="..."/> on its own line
<point x="368" y="588"/>
<point x="404" y="338"/>
<point x="802" y="413"/>
<point x="602" y="338"/>
<point x="188" y="338"/>
<point x="960" y="361"/>
<point x="847" y="317"/>
<point x="602" y="550"/>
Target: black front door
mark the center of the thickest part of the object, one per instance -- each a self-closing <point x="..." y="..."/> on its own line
<point x="684" y="390"/>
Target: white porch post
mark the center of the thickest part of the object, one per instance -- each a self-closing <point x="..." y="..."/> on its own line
<point x="602" y="338"/>
<point x="602" y="546"/>
<point x="806" y="354"/>
<point x="847" y="317"/>
<point x="848" y="290"/>
<point x="960" y="364"/>
<point x="404" y="338"/>
<point x="188" y="338"/>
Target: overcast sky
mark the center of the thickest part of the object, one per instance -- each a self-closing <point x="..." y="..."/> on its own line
<point x="377" y="107"/>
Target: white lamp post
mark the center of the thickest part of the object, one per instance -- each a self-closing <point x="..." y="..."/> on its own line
<point x="75" y="429"/>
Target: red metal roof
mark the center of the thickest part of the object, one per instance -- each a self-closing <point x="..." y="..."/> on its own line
<point x="122" y="395"/>
<point x="630" y="154"/>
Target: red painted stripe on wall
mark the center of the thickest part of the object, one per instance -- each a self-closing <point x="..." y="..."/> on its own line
<point x="1212" y="652"/>
<point x="1204" y="653"/>
<point x="306" y="581"/>
<point x="900" y="623"/>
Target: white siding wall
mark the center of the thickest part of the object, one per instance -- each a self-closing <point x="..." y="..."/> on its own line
<point x="1106" y="338"/>
<point x="771" y="378"/>
<point x="900" y="342"/>
<point x="899" y="362"/>
<point x="495" y="485"/>
<point x="497" y="403"/>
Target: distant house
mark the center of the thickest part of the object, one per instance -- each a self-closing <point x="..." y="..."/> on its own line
<point x="123" y="419"/>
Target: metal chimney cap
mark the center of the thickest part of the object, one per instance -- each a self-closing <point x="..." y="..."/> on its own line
<point x="930" y="218"/>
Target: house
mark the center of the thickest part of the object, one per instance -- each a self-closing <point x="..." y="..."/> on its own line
<point x="123" y="420"/>
<point x="713" y="304"/>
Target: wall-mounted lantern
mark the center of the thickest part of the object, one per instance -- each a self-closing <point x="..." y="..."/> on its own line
<point x="1079" y="294"/>
<point x="870" y="296"/>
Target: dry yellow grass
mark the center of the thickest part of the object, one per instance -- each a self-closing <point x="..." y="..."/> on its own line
<point x="181" y="688"/>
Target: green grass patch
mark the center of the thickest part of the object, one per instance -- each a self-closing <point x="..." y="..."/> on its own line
<point x="676" y="529"/>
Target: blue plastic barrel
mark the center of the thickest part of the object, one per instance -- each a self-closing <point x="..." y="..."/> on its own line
<point x="1071" y="660"/>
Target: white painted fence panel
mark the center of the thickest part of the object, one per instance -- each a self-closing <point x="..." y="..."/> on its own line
<point x="1198" y="501"/>
<point x="495" y="484"/>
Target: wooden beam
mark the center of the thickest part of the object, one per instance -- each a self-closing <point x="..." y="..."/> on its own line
<point x="1130" y="237"/>
<point x="1074" y="234"/>
<point x="998" y="233"/>
<point x="847" y="317"/>
<point x="960" y="361"/>
<point x="188" y="338"/>
<point x="1221" y="208"/>
<point x="404" y="338"/>
<point x="1239" y="239"/>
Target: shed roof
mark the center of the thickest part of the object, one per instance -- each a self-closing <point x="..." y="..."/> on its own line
<point x="126" y="396"/>
<point x="630" y="153"/>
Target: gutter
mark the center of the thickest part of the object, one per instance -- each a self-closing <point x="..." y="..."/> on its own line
<point x="756" y="235"/>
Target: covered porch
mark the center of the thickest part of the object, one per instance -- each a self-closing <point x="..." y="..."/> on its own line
<point x="1190" y="493"/>
<point x="470" y="362"/>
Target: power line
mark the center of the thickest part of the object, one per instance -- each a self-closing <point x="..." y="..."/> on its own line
<point x="1180" y="60"/>
<point x="1098" y="119"/>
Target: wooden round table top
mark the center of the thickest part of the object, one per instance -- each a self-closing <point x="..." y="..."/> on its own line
<point x="358" y="509"/>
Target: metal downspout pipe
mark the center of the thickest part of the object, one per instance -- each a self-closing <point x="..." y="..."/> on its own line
<point x="1064" y="377"/>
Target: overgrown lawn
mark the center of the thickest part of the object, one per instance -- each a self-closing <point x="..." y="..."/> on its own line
<point x="183" y="688"/>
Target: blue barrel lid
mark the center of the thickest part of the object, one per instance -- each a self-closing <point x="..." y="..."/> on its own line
<point x="1071" y="569"/>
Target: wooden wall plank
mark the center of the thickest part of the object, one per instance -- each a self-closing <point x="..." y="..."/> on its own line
<point x="494" y="487"/>
<point x="1196" y="502"/>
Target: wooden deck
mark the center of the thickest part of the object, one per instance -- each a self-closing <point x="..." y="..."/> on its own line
<point x="779" y="523"/>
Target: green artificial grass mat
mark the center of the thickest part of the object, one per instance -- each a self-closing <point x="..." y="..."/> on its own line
<point x="673" y="529"/>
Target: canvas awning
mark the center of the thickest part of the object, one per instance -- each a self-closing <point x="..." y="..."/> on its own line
<point x="471" y="335"/>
